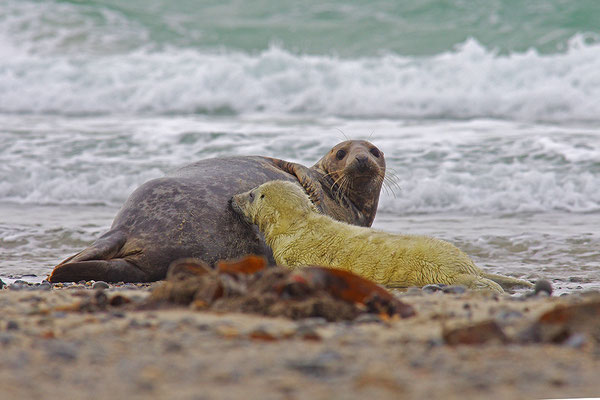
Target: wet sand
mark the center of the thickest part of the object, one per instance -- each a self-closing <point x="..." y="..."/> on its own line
<point x="53" y="348"/>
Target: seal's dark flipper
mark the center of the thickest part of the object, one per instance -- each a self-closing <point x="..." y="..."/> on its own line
<point x="100" y="261"/>
<point x="115" y="270"/>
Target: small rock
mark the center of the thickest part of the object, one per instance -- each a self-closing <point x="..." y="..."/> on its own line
<point x="21" y="282"/>
<point x="171" y="346"/>
<point x="2" y="284"/>
<point x="431" y="288"/>
<point x="321" y="366"/>
<point x="100" y="285"/>
<point x="61" y="350"/>
<point x="543" y="285"/>
<point x="44" y="286"/>
<point x="16" y="286"/>
<point x="578" y="279"/>
<point x="307" y="333"/>
<point x="576" y="341"/>
<point x="507" y="315"/>
<point x="454" y="289"/>
<point x="368" y="318"/>
<point x="413" y="291"/>
<point x="12" y="326"/>
<point x="119" y="300"/>
<point x="479" y="333"/>
<point x="6" y="339"/>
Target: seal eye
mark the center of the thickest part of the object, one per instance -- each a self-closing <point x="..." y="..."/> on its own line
<point x="340" y="154"/>
<point x="375" y="152"/>
<point x="262" y="196"/>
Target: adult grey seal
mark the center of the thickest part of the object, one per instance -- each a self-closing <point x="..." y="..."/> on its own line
<point x="187" y="213"/>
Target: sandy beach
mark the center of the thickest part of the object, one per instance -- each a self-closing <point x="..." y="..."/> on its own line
<point x="55" y="345"/>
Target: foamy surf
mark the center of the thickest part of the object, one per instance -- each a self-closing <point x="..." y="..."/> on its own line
<point x="470" y="81"/>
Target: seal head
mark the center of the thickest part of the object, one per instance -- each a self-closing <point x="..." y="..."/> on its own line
<point x="353" y="172"/>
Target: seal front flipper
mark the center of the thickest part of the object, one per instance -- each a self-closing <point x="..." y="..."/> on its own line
<point x="304" y="178"/>
<point x="508" y="282"/>
<point x="97" y="263"/>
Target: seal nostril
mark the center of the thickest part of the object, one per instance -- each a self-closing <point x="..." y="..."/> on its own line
<point x="362" y="163"/>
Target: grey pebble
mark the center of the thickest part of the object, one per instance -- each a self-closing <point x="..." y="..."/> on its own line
<point x="578" y="279"/>
<point x="100" y="285"/>
<point x="454" y="289"/>
<point x="6" y="339"/>
<point x="307" y="332"/>
<point x="2" y="284"/>
<point x="171" y="346"/>
<point x="368" y="318"/>
<point x="431" y="288"/>
<point x="506" y="315"/>
<point x="543" y="285"/>
<point x="17" y="286"/>
<point x="12" y="326"/>
<point x="312" y="322"/>
<point x="320" y="366"/>
<point x="413" y="291"/>
<point x="576" y="341"/>
<point x="61" y="350"/>
<point x="44" y="286"/>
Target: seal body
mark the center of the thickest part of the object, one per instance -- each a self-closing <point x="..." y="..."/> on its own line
<point x="186" y="213"/>
<point x="299" y="235"/>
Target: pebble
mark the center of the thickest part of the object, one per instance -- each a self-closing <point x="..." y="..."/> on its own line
<point x="543" y="285"/>
<point x="576" y="341"/>
<point x="6" y="339"/>
<point x="62" y="350"/>
<point x="368" y="318"/>
<point x="413" y="291"/>
<point x="44" y="286"/>
<point x="100" y="285"/>
<point x="307" y="333"/>
<point x="171" y="346"/>
<point x="12" y="325"/>
<point x="454" y="289"/>
<point x="431" y="288"/>
<point x="319" y="367"/>
<point x="17" y="286"/>
<point x="578" y="279"/>
<point x="507" y="315"/>
<point x="2" y="284"/>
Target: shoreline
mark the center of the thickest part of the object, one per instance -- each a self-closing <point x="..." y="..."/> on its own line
<point x="53" y="348"/>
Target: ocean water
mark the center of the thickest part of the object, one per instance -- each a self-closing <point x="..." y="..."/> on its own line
<point x="488" y="113"/>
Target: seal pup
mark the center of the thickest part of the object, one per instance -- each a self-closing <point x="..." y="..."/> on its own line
<point x="186" y="213"/>
<point x="299" y="235"/>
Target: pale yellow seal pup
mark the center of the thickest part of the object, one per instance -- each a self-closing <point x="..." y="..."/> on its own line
<point x="299" y="235"/>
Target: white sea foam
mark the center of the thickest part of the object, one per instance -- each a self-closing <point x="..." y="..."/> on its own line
<point x="473" y="167"/>
<point x="470" y="81"/>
